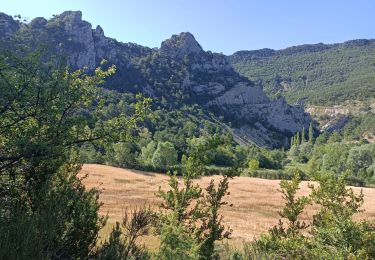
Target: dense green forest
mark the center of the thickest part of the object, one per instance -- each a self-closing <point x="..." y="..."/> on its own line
<point x="321" y="73"/>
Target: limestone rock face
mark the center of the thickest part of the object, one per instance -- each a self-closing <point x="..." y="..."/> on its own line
<point x="79" y="32"/>
<point x="104" y="47"/>
<point x="250" y="103"/>
<point x="210" y="88"/>
<point x="286" y="118"/>
<point x="7" y="25"/>
<point x="336" y="124"/>
<point x="257" y="116"/>
<point x="241" y="94"/>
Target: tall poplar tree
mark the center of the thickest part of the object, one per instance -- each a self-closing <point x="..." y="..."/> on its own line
<point x="303" y="139"/>
<point x="311" y="133"/>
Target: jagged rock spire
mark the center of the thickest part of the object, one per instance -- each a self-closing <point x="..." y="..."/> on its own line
<point x="180" y="45"/>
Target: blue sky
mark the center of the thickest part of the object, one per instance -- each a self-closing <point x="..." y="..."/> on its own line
<point x="219" y="25"/>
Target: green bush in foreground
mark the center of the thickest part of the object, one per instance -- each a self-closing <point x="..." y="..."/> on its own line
<point x="189" y="223"/>
<point x="332" y="234"/>
<point x="123" y="240"/>
<point x="65" y="224"/>
<point x="46" y="113"/>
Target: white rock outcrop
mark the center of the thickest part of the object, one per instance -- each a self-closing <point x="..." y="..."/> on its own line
<point x="80" y="33"/>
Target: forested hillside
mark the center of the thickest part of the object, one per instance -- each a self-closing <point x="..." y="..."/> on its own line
<point x="321" y="73"/>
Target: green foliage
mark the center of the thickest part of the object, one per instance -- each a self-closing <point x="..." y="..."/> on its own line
<point x="269" y="159"/>
<point x="253" y="165"/>
<point x="293" y="208"/>
<point x="294" y="151"/>
<point x="212" y="229"/>
<point x="122" y="242"/>
<point x="276" y="158"/>
<point x="324" y="74"/>
<point x="334" y="157"/>
<point x="273" y="174"/>
<point x="176" y="241"/>
<point x="190" y="223"/>
<point x="346" y="151"/>
<point x="186" y="134"/>
<point x="332" y="234"/>
<point x="300" y="150"/>
<point x="303" y="138"/>
<point x="193" y="165"/>
<point x="147" y="153"/>
<point x="89" y="154"/>
<point x="175" y="235"/>
<point x="359" y="127"/>
<point x="45" y="115"/>
<point x="164" y="156"/>
<point x="353" y="158"/>
<point x="333" y="227"/>
<point x="297" y="140"/>
<point x="359" y="159"/>
<point x="64" y="223"/>
<point x="123" y="155"/>
<point x="44" y="103"/>
<point x="289" y="241"/>
<point x="305" y="152"/>
<point x="322" y="139"/>
<point x="311" y="134"/>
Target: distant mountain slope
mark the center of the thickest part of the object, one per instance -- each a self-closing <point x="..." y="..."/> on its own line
<point x="178" y="73"/>
<point x="322" y="73"/>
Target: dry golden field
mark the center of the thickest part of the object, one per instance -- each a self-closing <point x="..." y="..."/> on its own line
<point x="255" y="201"/>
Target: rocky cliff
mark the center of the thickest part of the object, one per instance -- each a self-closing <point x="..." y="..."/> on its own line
<point x="7" y="25"/>
<point x="179" y="72"/>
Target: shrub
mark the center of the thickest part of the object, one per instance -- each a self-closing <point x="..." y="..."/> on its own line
<point x="122" y="242"/>
<point x="333" y="233"/>
<point x="253" y="165"/>
<point x="64" y="222"/>
<point x="190" y="223"/>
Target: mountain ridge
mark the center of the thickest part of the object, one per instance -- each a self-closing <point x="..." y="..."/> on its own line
<point x="307" y="47"/>
<point x="327" y="74"/>
<point x="179" y="72"/>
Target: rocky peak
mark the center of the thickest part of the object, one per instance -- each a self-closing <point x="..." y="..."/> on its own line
<point x="73" y="23"/>
<point x="70" y="17"/>
<point x="7" y="25"/>
<point x="99" y="32"/>
<point x="38" y="23"/>
<point x="79" y="31"/>
<point x="180" y="45"/>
